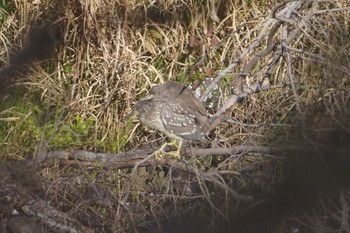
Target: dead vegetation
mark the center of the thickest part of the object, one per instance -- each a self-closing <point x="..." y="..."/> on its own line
<point x="277" y="74"/>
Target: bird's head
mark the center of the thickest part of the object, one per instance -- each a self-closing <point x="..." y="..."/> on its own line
<point x="143" y="105"/>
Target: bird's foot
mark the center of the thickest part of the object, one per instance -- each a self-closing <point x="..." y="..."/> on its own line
<point x="175" y="154"/>
<point x="158" y="154"/>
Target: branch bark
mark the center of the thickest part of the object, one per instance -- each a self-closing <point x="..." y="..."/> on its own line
<point x="143" y="158"/>
<point x="17" y="198"/>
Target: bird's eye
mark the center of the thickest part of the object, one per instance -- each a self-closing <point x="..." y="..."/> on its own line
<point x="152" y="90"/>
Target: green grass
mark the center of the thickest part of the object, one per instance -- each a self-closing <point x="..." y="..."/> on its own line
<point x="27" y="125"/>
<point x="17" y="124"/>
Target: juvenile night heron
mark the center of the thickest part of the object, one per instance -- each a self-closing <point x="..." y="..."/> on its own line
<point x="173" y="109"/>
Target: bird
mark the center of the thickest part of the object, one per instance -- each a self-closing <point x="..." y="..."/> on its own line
<point x="173" y="109"/>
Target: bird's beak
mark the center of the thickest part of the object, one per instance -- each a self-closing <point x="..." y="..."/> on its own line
<point x="132" y="115"/>
<point x="147" y="97"/>
<point x="135" y="113"/>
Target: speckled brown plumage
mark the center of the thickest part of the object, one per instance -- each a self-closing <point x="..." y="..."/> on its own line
<point x="173" y="109"/>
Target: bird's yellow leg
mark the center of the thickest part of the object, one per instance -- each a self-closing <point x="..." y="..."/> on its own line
<point x="175" y="154"/>
<point x="158" y="154"/>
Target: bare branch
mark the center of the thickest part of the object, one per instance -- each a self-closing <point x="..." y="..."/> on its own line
<point x="143" y="158"/>
<point x="221" y="74"/>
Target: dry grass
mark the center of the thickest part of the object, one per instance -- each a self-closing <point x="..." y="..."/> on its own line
<point x="105" y="56"/>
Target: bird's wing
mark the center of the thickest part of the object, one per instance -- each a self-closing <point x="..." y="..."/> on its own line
<point x="181" y="122"/>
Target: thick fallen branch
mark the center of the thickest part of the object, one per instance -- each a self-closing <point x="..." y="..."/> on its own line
<point x="17" y="198"/>
<point x="91" y="159"/>
<point x="81" y="158"/>
<point x="52" y="217"/>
